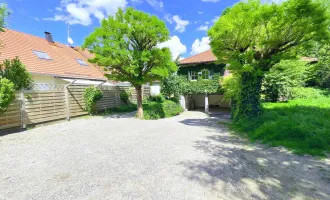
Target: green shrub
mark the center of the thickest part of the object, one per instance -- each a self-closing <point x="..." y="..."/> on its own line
<point x="153" y="110"/>
<point x="15" y="71"/>
<point x="158" y="98"/>
<point x="124" y="96"/>
<point x="157" y="110"/>
<point x="7" y="94"/>
<point x="282" y="77"/>
<point x="120" y="109"/>
<point x="308" y="93"/>
<point x="91" y="95"/>
<point x="171" y="108"/>
<point x="202" y="86"/>
<point x="174" y="86"/>
<point x="302" y="125"/>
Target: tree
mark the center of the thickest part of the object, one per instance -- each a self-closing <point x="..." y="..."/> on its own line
<point x="126" y="45"/>
<point x="252" y="37"/>
<point x="15" y="71"/>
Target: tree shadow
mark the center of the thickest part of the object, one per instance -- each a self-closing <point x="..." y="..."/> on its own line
<point x="127" y="115"/>
<point x="237" y="169"/>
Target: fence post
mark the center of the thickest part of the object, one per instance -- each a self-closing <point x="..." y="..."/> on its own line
<point x="67" y="104"/>
<point x="22" y="101"/>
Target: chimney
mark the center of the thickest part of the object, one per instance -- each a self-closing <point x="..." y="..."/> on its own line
<point x="49" y="37"/>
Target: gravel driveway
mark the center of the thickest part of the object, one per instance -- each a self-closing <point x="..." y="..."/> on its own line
<point x="186" y="157"/>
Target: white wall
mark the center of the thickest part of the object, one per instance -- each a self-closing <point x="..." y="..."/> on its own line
<point x="47" y="80"/>
<point x="155" y="89"/>
<point x="217" y="100"/>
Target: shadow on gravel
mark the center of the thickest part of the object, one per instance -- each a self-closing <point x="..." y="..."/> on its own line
<point x="237" y="169"/>
<point x="120" y="115"/>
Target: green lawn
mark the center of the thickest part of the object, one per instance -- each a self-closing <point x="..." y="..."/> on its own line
<point x="301" y="125"/>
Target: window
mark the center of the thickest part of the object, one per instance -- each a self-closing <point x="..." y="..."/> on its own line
<point x="81" y="62"/>
<point x="42" y="55"/>
<point x="205" y="74"/>
<point x="194" y="75"/>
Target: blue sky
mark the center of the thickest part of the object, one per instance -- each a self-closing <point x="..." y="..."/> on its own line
<point x="187" y="20"/>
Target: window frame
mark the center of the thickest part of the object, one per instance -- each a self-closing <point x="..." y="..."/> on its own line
<point x="81" y="62"/>
<point x="193" y="74"/>
<point x="46" y="57"/>
<point x="205" y="74"/>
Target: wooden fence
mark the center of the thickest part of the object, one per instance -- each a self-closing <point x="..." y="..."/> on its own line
<point x="44" y="104"/>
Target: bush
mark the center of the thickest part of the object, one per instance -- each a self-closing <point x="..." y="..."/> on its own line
<point x="308" y="93"/>
<point x="171" y="108"/>
<point x="174" y="86"/>
<point x="124" y="97"/>
<point x="16" y="72"/>
<point x="91" y="95"/>
<point x="7" y="94"/>
<point x="301" y="125"/>
<point x="157" y="110"/>
<point x="120" y="109"/>
<point x="158" y="98"/>
<point x="282" y="77"/>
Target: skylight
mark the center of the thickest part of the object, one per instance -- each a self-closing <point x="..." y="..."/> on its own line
<point x="81" y="62"/>
<point x="42" y="55"/>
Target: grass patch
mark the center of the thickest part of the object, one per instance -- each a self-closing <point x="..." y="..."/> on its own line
<point x="156" y="110"/>
<point x="301" y="125"/>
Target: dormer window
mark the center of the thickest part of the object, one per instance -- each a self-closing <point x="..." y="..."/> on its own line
<point x="81" y="62"/>
<point x="42" y="55"/>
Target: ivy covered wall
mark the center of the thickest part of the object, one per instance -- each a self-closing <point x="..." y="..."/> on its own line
<point x="212" y="67"/>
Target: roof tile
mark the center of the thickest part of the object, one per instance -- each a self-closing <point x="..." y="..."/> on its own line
<point x="63" y="63"/>
<point x="204" y="57"/>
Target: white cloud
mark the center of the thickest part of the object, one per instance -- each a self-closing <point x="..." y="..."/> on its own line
<point x="36" y="18"/>
<point x="175" y="45"/>
<point x="200" y="46"/>
<point x="203" y="28"/>
<point x="200" y="12"/>
<point x="273" y="1"/>
<point x="180" y="24"/>
<point x="168" y="18"/>
<point x="213" y="1"/>
<point x="158" y="5"/>
<point x="215" y="19"/>
<point x="82" y="11"/>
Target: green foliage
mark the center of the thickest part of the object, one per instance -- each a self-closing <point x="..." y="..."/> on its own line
<point x="120" y="109"/>
<point x="282" y="77"/>
<point x="174" y="86"/>
<point x="91" y="95"/>
<point x="126" y="45"/>
<point x="7" y="94"/>
<point x="158" y="98"/>
<point x="308" y="93"/>
<point x="4" y="13"/>
<point x="231" y="87"/>
<point x="203" y="86"/>
<point x="252" y="36"/>
<point x="124" y="96"/>
<point x="157" y="110"/>
<point x="301" y="125"/>
<point x="15" y="71"/>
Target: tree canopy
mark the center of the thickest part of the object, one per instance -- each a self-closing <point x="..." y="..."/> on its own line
<point x="252" y="36"/>
<point x="127" y="46"/>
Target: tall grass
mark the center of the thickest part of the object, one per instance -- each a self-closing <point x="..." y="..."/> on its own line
<point x="301" y="125"/>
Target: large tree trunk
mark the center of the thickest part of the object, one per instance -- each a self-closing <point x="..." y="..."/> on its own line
<point x="139" y="101"/>
<point x="248" y="104"/>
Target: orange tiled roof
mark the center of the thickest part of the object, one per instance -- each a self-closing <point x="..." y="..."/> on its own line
<point x="63" y="63"/>
<point x="204" y="57"/>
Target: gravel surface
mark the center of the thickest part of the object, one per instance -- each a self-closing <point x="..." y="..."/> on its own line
<point x="117" y="157"/>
